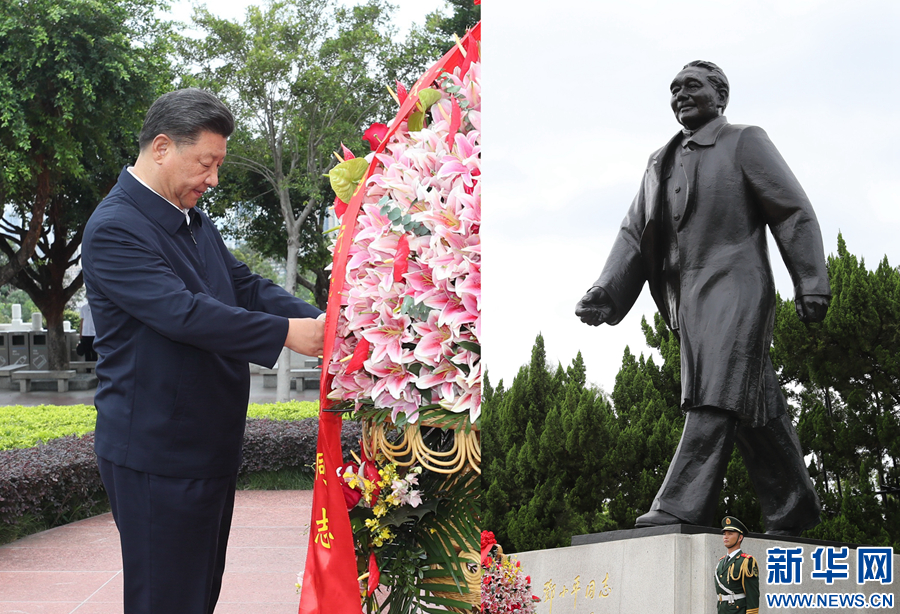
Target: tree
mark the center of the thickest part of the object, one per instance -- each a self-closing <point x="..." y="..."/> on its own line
<point x="301" y="76"/>
<point x="544" y="441"/>
<point x="431" y="39"/>
<point x="76" y="77"/>
<point x="465" y="15"/>
<point x="845" y="373"/>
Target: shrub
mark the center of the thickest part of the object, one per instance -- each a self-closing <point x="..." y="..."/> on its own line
<point x="57" y="480"/>
<point x="50" y="480"/>
<point x="270" y="445"/>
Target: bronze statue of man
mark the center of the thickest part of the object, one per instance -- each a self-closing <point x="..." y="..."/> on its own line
<point x="696" y="233"/>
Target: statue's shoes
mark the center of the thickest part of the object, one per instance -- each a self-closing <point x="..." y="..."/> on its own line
<point x="795" y="531"/>
<point x="656" y="518"/>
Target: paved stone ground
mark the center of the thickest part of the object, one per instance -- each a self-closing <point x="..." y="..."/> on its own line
<point x="77" y="568"/>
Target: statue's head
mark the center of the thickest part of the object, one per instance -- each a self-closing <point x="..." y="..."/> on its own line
<point x="699" y="94"/>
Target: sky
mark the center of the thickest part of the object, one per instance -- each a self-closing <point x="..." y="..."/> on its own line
<point x="407" y="11"/>
<point x="576" y="98"/>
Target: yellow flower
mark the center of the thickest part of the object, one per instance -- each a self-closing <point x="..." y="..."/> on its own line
<point x="380" y="510"/>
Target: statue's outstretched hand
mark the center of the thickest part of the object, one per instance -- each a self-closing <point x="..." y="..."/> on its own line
<point x="812" y="308"/>
<point x="595" y="307"/>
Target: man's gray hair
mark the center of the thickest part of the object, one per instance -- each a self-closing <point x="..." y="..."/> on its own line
<point x="716" y="76"/>
<point x="183" y="114"/>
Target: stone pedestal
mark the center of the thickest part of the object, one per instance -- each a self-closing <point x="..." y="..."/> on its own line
<point x="670" y="570"/>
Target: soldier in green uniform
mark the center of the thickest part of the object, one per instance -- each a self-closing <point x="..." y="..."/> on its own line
<point x="737" y="574"/>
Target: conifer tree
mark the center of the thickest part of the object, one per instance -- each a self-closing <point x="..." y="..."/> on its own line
<point x="646" y="399"/>
<point x="847" y="369"/>
<point x="543" y="458"/>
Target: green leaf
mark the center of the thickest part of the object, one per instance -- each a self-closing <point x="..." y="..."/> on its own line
<point x="404" y="514"/>
<point x="446" y="602"/>
<point x="346" y="176"/>
<point x="429" y="97"/>
<point x="470" y="345"/>
<point x="404" y="308"/>
<point x="416" y="121"/>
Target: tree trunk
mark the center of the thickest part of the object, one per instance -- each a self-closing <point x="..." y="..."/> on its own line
<point x="16" y="261"/>
<point x="57" y="347"/>
<point x="319" y="288"/>
<point x="283" y="389"/>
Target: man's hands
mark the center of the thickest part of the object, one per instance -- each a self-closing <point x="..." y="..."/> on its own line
<point x="595" y="307"/>
<point x="306" y="336"/>
<point x="812" y="308"/>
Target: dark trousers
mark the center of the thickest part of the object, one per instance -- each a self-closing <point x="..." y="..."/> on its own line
<point x="89" y="353"/>
<point x="774" y="462"/>
<point x="173" y="533"/>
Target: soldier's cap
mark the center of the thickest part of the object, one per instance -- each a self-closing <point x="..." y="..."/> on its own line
<point x="730" y="523"/>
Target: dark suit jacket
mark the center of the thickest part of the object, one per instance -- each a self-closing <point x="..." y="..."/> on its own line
<point x="738" y="185"/>
<point x="177" y="319"/>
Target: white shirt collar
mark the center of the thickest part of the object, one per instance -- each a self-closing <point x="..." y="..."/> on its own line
<point x="187" y="217"/>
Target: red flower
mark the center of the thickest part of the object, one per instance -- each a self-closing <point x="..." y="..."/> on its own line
<point x="375" y="135"/>
<point x="468" y="189"/>
<point x="351" y="495"/>
<point x="370" y="472"/>
<point x="487" y="539"/>
<point x="401" y="93"/>
<point x="360" y="355"/>
<point x="401" y="259"/>
<point x="374" y="575"/>
<point x="340" y="207"/>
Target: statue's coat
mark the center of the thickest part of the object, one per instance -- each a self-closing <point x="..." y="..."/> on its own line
<point x="738" y="184"/>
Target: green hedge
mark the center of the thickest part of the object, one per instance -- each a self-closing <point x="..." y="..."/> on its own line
<point x="25" y="426"/>
<point x="292" y="410"/>
<point x="56" y="482"/>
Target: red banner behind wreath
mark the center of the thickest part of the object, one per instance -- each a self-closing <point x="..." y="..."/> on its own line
<point x="330" y="575"/>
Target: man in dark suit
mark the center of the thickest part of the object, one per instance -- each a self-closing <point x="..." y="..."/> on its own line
<point x="696" y="233"/>
<point x="178" y="318"/>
